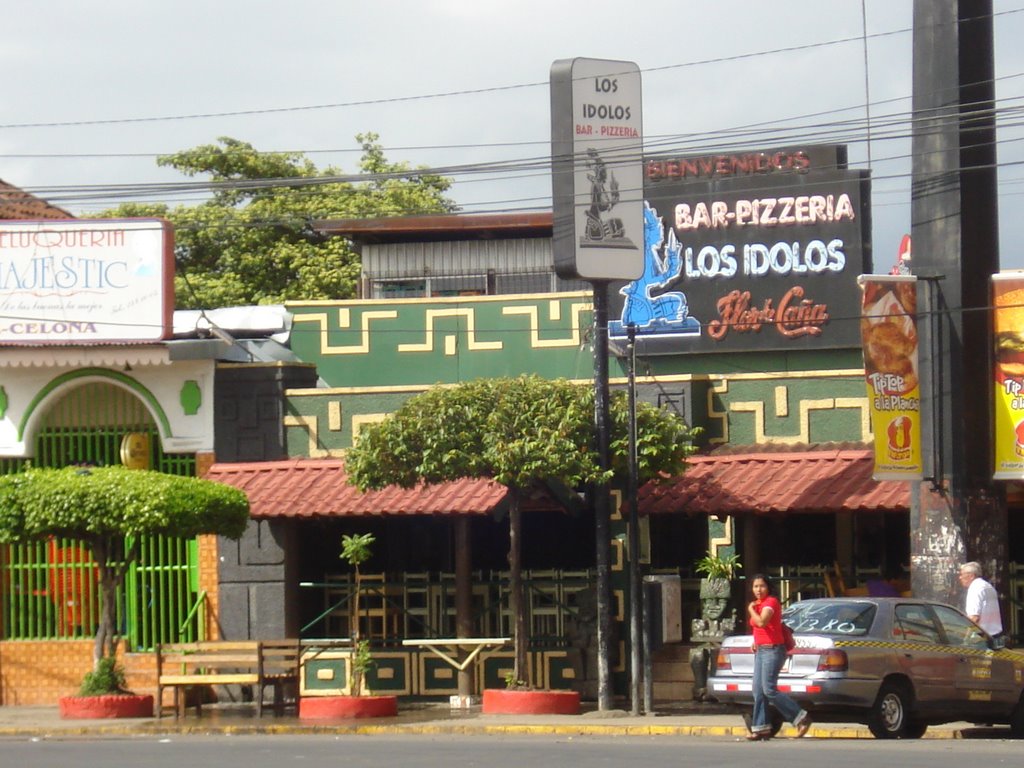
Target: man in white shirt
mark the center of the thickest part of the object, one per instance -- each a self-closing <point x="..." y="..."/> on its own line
<point x="982" y="603"/>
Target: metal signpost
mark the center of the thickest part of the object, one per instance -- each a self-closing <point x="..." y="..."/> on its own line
<point x="598" y="236"/>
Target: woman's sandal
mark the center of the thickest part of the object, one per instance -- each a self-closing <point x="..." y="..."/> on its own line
<point x="758" y="736"/>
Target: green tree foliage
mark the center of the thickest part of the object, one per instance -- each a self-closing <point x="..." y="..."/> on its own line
<point x="251" y="241"/>
<point x="522" y="432"/>
<point x="101" y="506"/>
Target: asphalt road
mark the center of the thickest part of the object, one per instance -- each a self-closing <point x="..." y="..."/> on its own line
<point x="446" y="751"/>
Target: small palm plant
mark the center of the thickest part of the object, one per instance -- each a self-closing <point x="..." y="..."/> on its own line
<point x="355" y="550"/>
<point x="718" y="567"/>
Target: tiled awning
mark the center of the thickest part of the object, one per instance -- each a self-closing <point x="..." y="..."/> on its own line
<point x="308" y="488"/>
<point x="837" y="480"/>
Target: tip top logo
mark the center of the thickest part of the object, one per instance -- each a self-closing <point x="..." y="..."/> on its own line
<point x="898" y="438"/>
<point x="1019" y="431"/>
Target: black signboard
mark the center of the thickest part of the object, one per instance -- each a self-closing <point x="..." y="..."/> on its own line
<point x="756" y="251"/>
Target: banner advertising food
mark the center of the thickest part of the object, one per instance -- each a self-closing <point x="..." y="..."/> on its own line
<point x="889" y="336"/>
<point x="1008" y="330"/>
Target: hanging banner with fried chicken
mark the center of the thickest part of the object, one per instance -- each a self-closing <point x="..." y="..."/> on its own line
<point x="1008" y="328"/>
<point x="889" y="336"/>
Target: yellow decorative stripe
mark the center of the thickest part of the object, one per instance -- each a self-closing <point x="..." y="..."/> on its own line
<point x="345" y="321"/>
<point x="311" y="425"/>
<point x="554" y="314"/>
<point x="434" y="314"/>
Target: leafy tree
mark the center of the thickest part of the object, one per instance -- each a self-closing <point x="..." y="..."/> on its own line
<point x="356" y="550"/>
<point x="251" y="241"/>
<point x="101" y="506"/>
<point x="525" y="433"/>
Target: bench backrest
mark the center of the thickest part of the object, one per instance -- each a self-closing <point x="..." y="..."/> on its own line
<point x="271" y="657"/>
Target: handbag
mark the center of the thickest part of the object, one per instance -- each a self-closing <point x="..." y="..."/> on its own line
<point x="787" y="637"/>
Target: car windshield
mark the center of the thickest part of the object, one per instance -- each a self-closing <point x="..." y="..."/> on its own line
<point x="825" y="618"/>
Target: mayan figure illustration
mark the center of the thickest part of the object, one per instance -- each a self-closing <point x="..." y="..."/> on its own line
<point x="600" y="230"/>
<point x="666" y="313"/>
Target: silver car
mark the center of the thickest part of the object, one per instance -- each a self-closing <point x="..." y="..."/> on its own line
<point x="895" y="664"/>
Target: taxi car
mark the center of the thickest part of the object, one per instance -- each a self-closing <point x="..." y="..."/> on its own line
<point x="895" y="664"/>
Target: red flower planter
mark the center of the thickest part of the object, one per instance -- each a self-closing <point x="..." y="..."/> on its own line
<point x="501" y="701"/>
<point x="114" y="705"/>
<point x="338" y="707"/>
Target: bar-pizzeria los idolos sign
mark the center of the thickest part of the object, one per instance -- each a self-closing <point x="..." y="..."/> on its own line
<point x="749" y="251"/>
<point x="79" y="281"/>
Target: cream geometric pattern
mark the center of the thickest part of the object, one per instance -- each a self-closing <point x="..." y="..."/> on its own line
<point x="310" y="424"/>
<point x="554" y="314"/>
<point x="345" y="321"/>
<point x="806" y="407"/>
<point x="781" y="398"/>
<point x="364" y="419"/>
<point x="470" y="317"/>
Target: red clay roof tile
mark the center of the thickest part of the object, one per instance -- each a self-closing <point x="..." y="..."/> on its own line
<point x="16" y="203"/>
<point x="809" y="481"/>
<point x="307" y="488"/>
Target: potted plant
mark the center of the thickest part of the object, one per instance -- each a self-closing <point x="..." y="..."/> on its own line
<point x="355" y="550"/>
<point x="707" y="631"/>
<point x="520" y="698"/>
<point x="104" y="694"/>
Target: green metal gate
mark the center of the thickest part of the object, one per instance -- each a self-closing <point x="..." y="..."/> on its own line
<point x="49" y="588"/>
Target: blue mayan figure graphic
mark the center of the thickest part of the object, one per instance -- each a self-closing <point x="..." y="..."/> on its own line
<point x="666" y="313"/>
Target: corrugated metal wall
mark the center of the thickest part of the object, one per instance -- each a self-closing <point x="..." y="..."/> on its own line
<point x="465" y="257"/>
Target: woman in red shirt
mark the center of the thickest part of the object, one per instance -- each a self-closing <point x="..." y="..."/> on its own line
<point x="765" y="617"/>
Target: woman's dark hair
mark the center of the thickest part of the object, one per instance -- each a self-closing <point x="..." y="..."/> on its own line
<point x="765" y="579"/>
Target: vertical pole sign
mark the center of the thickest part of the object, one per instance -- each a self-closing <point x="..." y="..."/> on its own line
<point x="598" y="236"/>
<point x="889" y="336"/>
<point x="597" y="169"/>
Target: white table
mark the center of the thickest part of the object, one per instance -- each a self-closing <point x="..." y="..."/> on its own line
<point x="447" y="648"/>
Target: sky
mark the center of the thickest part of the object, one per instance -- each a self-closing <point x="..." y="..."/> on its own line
<point x="95" y="91"/>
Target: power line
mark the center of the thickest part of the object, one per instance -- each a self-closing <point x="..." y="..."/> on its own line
<point x="466" y="92"/>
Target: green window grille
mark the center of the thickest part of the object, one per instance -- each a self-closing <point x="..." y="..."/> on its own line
<point x="49" y="588"/>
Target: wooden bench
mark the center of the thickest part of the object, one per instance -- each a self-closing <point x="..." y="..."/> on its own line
<point x="258" y="663"/>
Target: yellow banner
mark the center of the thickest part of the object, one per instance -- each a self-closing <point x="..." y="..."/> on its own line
<point x="889" y="337"/>
<point x="1008" y="331"/>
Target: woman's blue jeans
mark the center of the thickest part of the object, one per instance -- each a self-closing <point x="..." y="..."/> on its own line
<point x="768" y="660"/>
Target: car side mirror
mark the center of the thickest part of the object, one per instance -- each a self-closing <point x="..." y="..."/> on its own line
<point x="997" y="643"/>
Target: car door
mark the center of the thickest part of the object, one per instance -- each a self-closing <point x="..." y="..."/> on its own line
<point x="922" y="655"/>
<point x="984" y="679"/>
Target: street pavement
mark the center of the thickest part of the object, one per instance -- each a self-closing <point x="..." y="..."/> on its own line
<point x="418" y="718"/>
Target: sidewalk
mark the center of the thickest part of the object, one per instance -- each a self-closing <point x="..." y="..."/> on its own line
<point x="418" y="718"/>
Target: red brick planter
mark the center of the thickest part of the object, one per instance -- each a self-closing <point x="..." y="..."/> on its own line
<point x="501" y="701"/>
<point x="115" y="705"/>
<point x="338" y="707"/>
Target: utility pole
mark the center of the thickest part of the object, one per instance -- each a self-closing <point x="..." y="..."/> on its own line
<point x="957" y="512"/>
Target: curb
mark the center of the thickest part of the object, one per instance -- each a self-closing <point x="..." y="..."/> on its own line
<point x="365" y="729"/>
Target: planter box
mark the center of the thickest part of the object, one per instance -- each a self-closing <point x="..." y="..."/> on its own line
<point x="114" y="705"/>
<point x="339" y="707"/>
<point x="499" y="701"/>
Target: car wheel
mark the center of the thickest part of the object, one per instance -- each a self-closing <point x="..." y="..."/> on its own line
<point x="915" y="729"/>
<point x="889" y="718"/>
<point x="1017" y="721"/>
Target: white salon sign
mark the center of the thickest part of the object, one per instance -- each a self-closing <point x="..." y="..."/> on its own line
<point x="86" y="281"/>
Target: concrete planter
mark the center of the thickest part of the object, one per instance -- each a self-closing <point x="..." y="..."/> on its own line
<point x="502" y="701"/>
<point x="341" y="707"/>
<point x="113" y="705"/>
